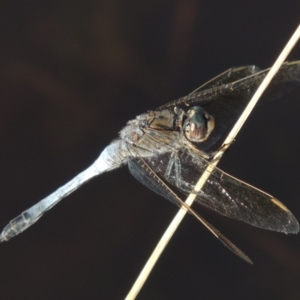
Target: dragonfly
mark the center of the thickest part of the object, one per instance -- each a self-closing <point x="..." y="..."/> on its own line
<point x="168" y="149"/>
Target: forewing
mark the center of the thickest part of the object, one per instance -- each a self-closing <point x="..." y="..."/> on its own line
<point x="228" y="76"/>
<point x="227" y="101"/>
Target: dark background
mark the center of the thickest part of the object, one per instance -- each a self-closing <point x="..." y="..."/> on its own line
<point x="72" y="74"/>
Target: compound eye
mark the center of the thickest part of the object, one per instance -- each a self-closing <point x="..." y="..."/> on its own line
<point x="198" y="124"/>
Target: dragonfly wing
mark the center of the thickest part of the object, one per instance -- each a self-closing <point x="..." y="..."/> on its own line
<point x="226" y="102"/>
<point x="239" y="200"/>
<point x="140" y="173"/>
<point x="140" y="169"/>
<point x="225" y="194"/>
<point x="231" y="75"/>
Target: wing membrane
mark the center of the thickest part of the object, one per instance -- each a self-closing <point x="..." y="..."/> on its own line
<point x="223" y="193"/>
<point x="227" y="101"/>
<point x="143" y="173"/>
<point x="231" y="75"/>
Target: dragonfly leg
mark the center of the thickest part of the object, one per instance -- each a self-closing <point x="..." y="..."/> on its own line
<point x="173" y="173"/>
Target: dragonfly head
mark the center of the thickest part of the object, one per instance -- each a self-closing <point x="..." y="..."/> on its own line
<point x="198" y="125"/>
